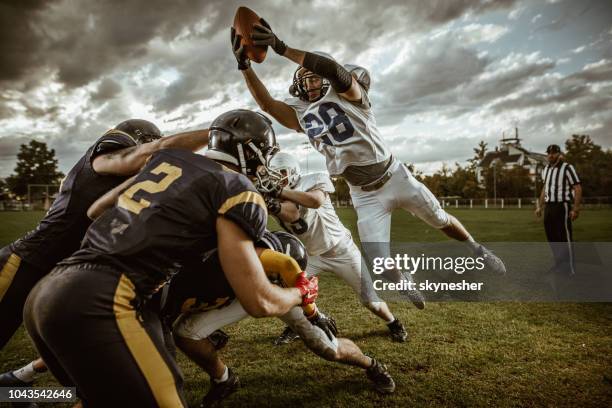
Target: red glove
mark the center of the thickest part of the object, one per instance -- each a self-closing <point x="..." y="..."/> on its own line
<point x="309" y="288"/>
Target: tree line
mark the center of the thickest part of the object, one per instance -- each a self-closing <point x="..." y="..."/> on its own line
<point x="37" y="164"/>
<point x="593" y="164"/>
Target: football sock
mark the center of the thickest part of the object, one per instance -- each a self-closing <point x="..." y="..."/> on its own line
<point x="224" y="377"/>
<point x="388" y="322"/>
<point x="26" y="373"/>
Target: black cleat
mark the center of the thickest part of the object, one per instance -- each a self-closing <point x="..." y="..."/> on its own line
<point x="398" y="332"/>
<point x="220" y="391"/>
<point x="8" y="379"/>
<point x="378" y="374"/>
<point x="286" y="337"/>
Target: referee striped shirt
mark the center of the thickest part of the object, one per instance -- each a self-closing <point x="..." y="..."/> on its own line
<point x="558" y="182"/>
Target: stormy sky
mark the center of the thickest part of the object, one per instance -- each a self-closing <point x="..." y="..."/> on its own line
<point x="445" y="73"/>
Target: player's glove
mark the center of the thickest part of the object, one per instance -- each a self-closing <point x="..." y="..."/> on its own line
<point x="325" y="323"/>
<point x="238" y="49"/>
<point x="309" y="288"/>
<point x="263" y="35"/>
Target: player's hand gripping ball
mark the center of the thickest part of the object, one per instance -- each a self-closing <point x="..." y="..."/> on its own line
<point x="242" y="43"/>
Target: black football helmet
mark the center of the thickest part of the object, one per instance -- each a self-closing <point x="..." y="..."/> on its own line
<point x="243" y="138"/>
<point x="298" y="88"/>
<point x="293" y="247"/>
<point x="140" y="130"/>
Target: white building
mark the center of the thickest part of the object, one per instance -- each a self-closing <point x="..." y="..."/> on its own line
<point x="510" y="153"/>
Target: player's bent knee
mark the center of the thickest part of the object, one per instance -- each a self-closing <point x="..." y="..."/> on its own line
<point x="439" y="219"/>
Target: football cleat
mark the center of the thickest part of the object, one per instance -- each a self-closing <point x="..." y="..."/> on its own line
<point x="220" y="391"/>
<point x="415" y="296"/>
<point x="379" y="375"/>
<point x="286" y="337"/>
<point x="8" y="379"/>
<point x="398" y="332"/>
<point x="491" y="261"/>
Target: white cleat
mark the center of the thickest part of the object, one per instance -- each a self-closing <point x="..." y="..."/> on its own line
<point x="491" y="261"/>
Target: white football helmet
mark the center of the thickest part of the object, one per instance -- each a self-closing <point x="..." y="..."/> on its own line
<point x="288" y="165"/>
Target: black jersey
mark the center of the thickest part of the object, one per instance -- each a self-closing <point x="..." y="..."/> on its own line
<point x="168" y="215"/>
<point x="201" y="284"/>
<point x="60" y="232"/>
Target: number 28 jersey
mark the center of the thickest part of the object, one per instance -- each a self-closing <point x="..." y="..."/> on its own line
<point x="168" y="215"/>
<point x="344" y="132"/>
<point x="319" y="229"/>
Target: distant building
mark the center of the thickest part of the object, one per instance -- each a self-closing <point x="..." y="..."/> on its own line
<point x="510" y="153"/>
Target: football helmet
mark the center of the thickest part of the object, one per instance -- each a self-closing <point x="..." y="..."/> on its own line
<point x="243" y="138"/>
<point x="139" y="130"/>
<point x="298" y="87"/>
<point x="287" y="165"/>
<point x="361" y="74"/>
<point x="293" y="247"/>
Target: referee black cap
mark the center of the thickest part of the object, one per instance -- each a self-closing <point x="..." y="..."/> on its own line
<point x="553" y="148"/>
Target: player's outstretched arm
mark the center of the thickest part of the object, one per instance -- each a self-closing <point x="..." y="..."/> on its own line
<point x="282" y="112"/>
<point x="245" y="274"/>
<point x="308" y="199"/>
<point x="129" y="161"/>
<point x="339" y="77"/>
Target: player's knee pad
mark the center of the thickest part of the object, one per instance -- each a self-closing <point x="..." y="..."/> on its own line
<point x="440" y="219"/>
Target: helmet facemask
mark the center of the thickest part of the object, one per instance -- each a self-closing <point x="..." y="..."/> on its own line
<point x="288" y="168"/>
<point x="299" y="88"/>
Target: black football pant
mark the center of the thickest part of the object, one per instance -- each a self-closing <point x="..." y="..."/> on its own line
<point x="17" y="278"/>
<point x="558" y="226"/>
<point x="93" y="332"/>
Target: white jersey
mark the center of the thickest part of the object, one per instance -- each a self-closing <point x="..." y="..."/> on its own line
<point x="319" y="229"/>
<point x="344" y="132"/>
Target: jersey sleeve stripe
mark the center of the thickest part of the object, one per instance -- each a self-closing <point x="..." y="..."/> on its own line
<point x="244" y="197"/>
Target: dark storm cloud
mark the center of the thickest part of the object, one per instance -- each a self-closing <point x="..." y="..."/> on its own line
<point x="107" y="89"/>
<point x="437" y="67"/>
<point x="19" y="38"/>
<point x="173" y="60"/>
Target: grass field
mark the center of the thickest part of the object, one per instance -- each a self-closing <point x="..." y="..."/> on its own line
<point x="459" y="354"/>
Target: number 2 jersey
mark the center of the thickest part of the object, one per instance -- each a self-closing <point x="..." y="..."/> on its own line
<point x="319" y="229"/>
<point x="168" y="215"/>
<point x="60" y="232"/>
<point x="344" y="132"/>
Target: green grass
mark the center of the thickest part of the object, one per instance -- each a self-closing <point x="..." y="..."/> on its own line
<point x="459" y="354"/>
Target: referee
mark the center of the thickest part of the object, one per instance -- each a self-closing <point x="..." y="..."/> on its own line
<point x="561" y="189"/>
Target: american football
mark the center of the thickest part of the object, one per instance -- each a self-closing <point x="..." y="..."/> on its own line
<point x="244" y="20"/>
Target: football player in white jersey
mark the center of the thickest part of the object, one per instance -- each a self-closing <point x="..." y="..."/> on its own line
<point x="305" y="209"/>
<point x="332" y="107"/>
